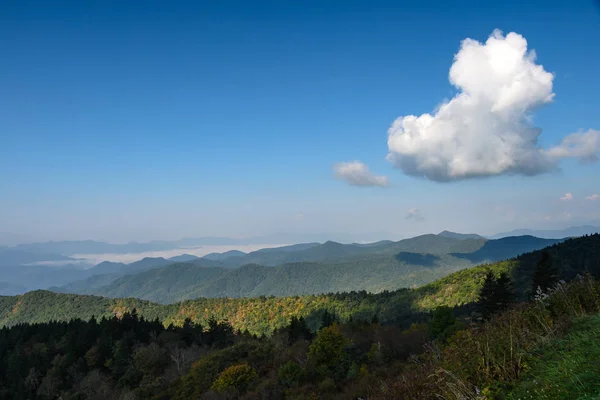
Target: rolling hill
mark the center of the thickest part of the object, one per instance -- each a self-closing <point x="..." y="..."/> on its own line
<point x="455" y="235"/>
<point x="184" y="258"/>
<point x="342" y="268"/>
<point x="334" y="251"/>
<point x="223" y="256"/>
<point x="263" y="314"/>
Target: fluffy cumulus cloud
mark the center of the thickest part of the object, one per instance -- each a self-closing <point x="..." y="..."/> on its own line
<point x="567" y="197"/>
<point x="414" y="214"/>
<point x="593" y="197"/>
<point x="486" y="129"/>
<point x="357" y="174"/>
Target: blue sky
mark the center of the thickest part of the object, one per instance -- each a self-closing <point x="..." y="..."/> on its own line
<point x="159" y="120"/>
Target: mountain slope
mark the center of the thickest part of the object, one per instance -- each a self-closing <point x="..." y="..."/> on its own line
<point x="373" y="269"/>
<point x="224" y="256"/>
<point x="166" y="284"/>
<point x="333" y="251"/>
<point x="461" y="236"/>
<point x="508" y="247"/>
<point x="183" y="258"/>
<point x="262" y="315"/>
<point x="372" y="273"/>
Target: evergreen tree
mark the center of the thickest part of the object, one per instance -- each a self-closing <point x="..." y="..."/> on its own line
<point x="504" y="294"/>
<point x="298" y="330"/>
<point x="545" y="274"/>
<point x="120" y="360"/>
<point x="443" y="323"/>
<point x="495" y="294"/>
<point x="219" y="334"/>
<point x="486" y="294"/>
<point x="327" y="319"/>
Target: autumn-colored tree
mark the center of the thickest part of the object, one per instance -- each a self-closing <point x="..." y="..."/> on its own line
<point x="235" y="378"/>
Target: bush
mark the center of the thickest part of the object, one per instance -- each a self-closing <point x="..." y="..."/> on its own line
<point x="291" y="374"/>
<point x="236" y="378"/>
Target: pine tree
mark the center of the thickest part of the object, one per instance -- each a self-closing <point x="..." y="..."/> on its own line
<point x="120" y="359"/>
<point x="298" y="330"/>
<point x="495" y="294"/>
<point x="327" y="319"/>
<point x="486" y="293"/>
<point x="545" y="274"/>
<point x="504" y="293"/>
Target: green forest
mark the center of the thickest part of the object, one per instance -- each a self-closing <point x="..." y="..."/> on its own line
<point x="480" y="333"/>
<point x="309" y="269"/>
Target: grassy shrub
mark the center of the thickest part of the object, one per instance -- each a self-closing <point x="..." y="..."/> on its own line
<point x="485" y="361"/>
<point x="565" y="368"/>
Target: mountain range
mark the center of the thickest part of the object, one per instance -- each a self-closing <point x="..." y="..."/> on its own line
<point x="574" y="231"/>
<point x="72" y="247"/>
<point x="262" y="315"/>
<point x="305" y="269"/>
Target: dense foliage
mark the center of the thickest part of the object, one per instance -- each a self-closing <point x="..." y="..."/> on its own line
<point x="352" y="345"/>
<point x="262" y="315"/>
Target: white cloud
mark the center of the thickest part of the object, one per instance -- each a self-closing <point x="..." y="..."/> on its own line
<point x="593" y="197"/>
<point x="567" y="197"/>
<point x="486" y="129"/>
<point x="357" y="174"/>
<point x="298" y="217"/>
<point x="414" y="213"/>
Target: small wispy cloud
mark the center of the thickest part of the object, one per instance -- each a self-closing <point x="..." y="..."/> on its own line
<point x="298" y="216"/>
<point x="356" y="173"/>
<point x="567" y="197"/>
<point x="414" y="214"/>
<point x="593" y="197"/>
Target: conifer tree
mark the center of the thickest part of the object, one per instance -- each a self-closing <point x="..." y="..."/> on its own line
<point x="327" y="319"/>
<point x="504" y="293"/>
<point x="495" y="294"/>
<point x="298" y="330"/>
<point x="545" y="274"/>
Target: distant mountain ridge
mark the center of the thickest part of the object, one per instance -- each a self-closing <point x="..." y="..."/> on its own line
<point x="455" y="235"/>
<point x="507" y="247"/>
<point x="326" y="268"/>
<point x="38" y="269"/>
<point x="224" y="256"/>
<point x="573" y="231"/>
<point x="9" y="289"/>
<point x="10" y="256"/>
<point x="184" y="258"/>
<point x="71" y="247"/>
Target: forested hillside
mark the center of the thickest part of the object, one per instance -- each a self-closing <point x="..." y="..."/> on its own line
<point x="375" y="267"/>
<point x="261" y="315"/>
<point x="461" y="337"/>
